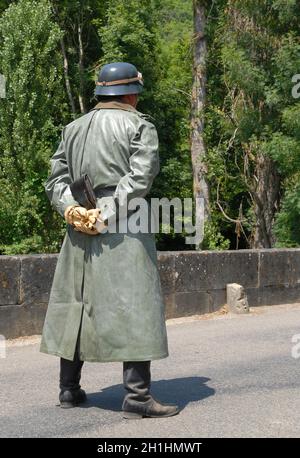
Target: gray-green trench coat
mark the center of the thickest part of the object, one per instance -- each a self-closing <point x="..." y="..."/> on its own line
<point x="108" y="283"/>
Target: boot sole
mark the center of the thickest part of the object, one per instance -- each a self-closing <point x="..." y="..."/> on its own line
<point x="139" y="416"/>
<point x="69" y="404"/>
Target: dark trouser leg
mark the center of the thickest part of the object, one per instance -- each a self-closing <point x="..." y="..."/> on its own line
<point x="137" y="381"/>
<point x="70" y="372"/>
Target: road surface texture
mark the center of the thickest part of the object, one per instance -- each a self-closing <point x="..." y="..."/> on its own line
<point x="233" y="376"/>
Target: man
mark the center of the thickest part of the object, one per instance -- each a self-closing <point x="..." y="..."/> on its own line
<point x="105" y="302"/>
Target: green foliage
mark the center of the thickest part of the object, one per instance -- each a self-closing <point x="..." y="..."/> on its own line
<point x="287" y="227"/>
<point x="253" y="52"/>
<point x="78" y="20"/>
<point x="29" y="115"/>
<point x="213" y="239"/>
<point x="130" y="35"/>
<point x="172" y="100"/>
<point x="156" y="36"/>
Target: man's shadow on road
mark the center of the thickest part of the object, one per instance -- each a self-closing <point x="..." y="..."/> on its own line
<point x="180" y="391"/>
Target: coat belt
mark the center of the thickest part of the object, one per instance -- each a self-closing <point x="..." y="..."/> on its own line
<point x="104" y="191"/>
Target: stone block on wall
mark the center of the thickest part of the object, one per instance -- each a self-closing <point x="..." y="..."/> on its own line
<point x="197" y="271"/>
<point x="279" y="267"/>
<point x="36" y="277"/>
<point x="9" y="280"/>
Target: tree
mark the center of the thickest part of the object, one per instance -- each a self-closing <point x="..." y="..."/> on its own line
<point x="218" y="86"/>
<point x="30" y="115"/>
<point x="48" y="52"/>
<point x="171" y="97"/>
<point x="257" y="54"/>
<point x="198" y="153"/>
<point x="130" y="34"/>
<point x="81" y="47"/>
<point x="155" y="37"/>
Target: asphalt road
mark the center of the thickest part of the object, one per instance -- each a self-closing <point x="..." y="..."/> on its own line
<point x="232" y="377"/>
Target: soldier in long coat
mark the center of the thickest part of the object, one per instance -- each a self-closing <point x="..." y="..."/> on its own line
<point x="106" y="302"/>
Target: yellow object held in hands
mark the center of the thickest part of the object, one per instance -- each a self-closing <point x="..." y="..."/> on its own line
<point x="83" y="220"/>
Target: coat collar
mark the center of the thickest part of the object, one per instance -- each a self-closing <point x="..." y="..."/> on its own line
<point x="115" y="106"/>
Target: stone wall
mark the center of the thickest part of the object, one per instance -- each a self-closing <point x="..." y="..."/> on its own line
<point x="192" y="283"/>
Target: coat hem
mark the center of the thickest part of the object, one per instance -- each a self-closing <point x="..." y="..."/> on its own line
<point x="111" y="360"/>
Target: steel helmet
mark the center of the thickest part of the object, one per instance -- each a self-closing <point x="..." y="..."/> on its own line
<point x="119" y="78"/>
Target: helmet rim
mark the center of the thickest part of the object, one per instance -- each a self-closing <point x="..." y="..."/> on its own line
<point x="118" y="71"/>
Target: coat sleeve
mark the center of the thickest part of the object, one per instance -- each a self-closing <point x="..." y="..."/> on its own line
<point x="57" y="184"/>
<point x="144" y="166"/>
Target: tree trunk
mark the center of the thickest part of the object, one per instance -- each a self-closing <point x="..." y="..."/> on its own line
<point x="266" y="201"/>
<point x="81" y="70"/>
<point x="200" y="186"/>
<point x="67" y="79"/>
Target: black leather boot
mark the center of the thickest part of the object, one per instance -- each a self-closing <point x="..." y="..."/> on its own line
<point x="138" y="402"/>
<point x="70" y="373"/>
<point x="71" y="398"/>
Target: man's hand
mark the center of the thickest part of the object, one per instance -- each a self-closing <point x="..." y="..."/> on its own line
<point x="74" y="213"/>
<point x="83" y="220"/>
<point x="94" y="216"/>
